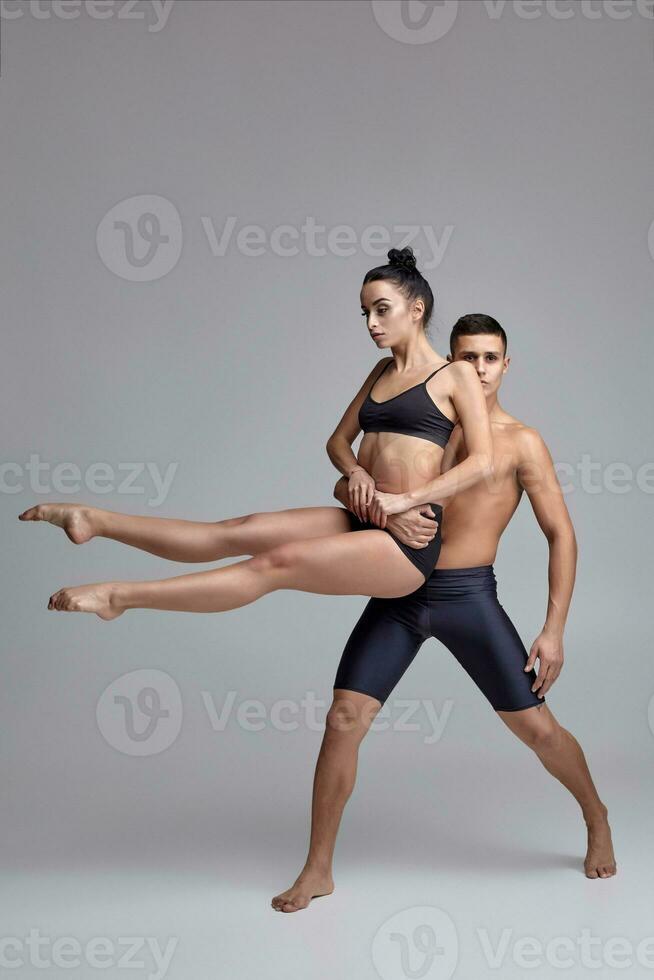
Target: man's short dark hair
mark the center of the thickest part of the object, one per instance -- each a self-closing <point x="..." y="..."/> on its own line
<point x="476" y="323"/>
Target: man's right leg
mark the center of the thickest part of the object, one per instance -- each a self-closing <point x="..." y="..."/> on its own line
<point x="381" y="647"/>
<point x="346" y="725"/>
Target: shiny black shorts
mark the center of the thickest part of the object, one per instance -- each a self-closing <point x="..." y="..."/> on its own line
<point x="423" y="558"/>
<point x="457" y="606"/>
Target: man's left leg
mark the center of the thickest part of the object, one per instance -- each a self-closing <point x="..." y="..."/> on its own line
<point x="562" y="756"/>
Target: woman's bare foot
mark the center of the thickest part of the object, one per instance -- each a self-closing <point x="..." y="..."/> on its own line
<point x="600" y="860"/>
<point x="310" y="884"/>
<point x="76" y="520"/>
<point x="100" y="598"/>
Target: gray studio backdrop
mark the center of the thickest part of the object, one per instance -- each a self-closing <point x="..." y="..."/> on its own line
<point x="191" y="196"/>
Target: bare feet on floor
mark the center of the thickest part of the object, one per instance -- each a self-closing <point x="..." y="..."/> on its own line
<point x="79" y="522"/>
<point x="99" y="598"/>
<point x="310" y="884"/>
<point x="600" y="860"/>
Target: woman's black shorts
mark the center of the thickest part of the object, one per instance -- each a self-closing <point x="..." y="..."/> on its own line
<point x="423" y="558"/>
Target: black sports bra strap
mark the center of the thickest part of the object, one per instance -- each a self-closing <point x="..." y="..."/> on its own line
<point x="437" y="370"/>
<point x="388" y="364"/>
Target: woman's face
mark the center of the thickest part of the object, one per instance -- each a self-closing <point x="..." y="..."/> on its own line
<point x="388" y="317"/>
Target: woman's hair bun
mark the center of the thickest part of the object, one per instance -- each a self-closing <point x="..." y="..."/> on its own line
<point x="402" y="258"/>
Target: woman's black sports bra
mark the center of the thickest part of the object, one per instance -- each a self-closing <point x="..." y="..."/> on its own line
<point x="411" y="413"/>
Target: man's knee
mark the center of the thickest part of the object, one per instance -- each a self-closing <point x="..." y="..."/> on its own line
<point x="535" y="727"/>
<point x="543" y="735"/>
<point x="350" y="715"/>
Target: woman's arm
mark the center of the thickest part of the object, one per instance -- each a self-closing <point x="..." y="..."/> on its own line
<point x="340" y="441"/>
<point x="469" y="402"/>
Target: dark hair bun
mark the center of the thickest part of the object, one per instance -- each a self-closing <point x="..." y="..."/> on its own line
<point x="402" y="258"/>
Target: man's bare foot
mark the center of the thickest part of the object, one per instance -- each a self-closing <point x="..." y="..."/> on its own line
<point x="310" y="884"/>
<point x="99" y="598"/>
<point x="76" y="520"/>
<point x="600" y="860"/>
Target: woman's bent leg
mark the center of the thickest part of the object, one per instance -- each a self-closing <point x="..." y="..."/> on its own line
<point x="357" y="563"/>
<point x="193" y="541"/>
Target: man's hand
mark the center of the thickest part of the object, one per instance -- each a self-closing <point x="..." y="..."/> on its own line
<point x="548" y="647"/>
<point x="415" y="527"/>
<point x="383" y="505"/>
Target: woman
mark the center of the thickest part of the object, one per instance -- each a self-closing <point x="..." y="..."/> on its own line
<point x="406" y="427"/>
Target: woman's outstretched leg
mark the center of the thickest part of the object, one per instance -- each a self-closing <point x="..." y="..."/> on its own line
<point x="357" y="563"/>
<point x="192" y="541"/>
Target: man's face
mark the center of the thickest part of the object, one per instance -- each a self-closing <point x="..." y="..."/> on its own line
<point x="486" y="352"/>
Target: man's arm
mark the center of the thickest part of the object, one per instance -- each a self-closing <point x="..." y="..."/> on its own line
<point x="415" y="526"/>
<point x="537" y="476"/>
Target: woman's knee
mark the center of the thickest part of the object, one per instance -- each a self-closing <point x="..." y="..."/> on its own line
<point x="236" y="521"/>
<point x="282" y="557"/>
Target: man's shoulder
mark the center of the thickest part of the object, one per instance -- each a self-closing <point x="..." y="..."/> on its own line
<point x="528" y="442"/>
<point x="524" y="439"/>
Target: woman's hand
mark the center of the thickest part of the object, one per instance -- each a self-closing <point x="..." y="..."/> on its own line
<point x="360" y="490"/>
<point x="385" y="504"/>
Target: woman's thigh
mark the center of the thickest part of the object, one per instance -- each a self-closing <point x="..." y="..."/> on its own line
<point x="261" y="531"/>
<point x="358" y="563"/>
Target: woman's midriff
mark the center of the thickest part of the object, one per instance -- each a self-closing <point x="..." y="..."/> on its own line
<point x="399" y="463"/>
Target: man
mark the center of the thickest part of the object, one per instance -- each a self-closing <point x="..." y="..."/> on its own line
<point x="474" y="626"/>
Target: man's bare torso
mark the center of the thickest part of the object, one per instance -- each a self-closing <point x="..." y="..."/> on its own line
<point x="474" y="519"/>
